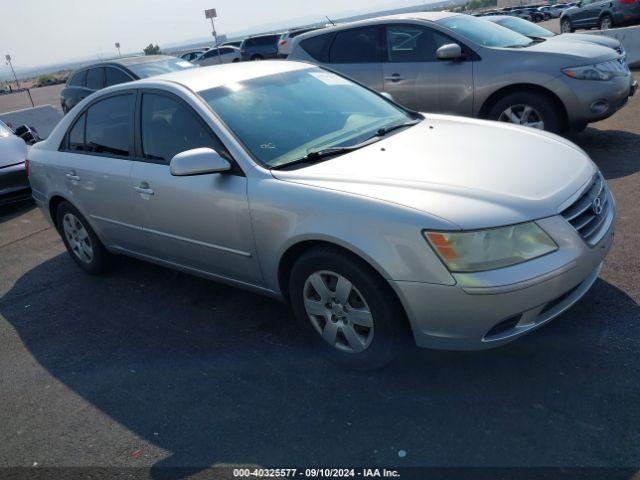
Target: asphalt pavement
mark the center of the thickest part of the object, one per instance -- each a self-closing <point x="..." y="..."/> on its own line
<point x="146" y="367"/>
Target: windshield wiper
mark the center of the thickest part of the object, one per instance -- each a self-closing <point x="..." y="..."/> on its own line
<point x="317" y="155"/>
<point x="384" y="130"/>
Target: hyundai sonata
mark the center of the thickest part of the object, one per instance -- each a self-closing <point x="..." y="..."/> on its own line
<point x="375" y="223"/>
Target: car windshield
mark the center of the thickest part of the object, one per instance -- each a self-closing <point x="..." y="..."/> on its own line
<point x="281" y="118"/>
<point x="525" y="27"/>
<point x="484" y="33"/>
<point x="166" y="65"/>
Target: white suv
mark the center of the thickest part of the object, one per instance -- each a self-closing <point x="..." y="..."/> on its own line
<point x="285" y="43"/>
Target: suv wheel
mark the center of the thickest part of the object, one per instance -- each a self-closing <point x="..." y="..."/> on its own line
<point x="528" y="109"/>
<point x="566" y="27"/>
<point x="81" y="241"/>
<point x="605" y="22"/>
<point x="256" y="58"/>
<point x="350" y="313"/>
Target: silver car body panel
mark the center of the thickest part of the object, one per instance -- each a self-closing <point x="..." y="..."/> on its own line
<point x="374" y="203"/>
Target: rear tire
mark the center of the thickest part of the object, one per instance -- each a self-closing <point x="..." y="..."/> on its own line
<point x="257" y="58"/>
<point x="528" y="109"/>
<point x="605" y="22"/>
<point x="81" y="241"/>
<point x="566" y="26"/>
<point x="354" y="318"/>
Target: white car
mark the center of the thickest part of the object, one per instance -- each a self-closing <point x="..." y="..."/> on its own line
<point x="285" y="44"/>
<point x="14" y="185"/>
<point x="217" y="56"/>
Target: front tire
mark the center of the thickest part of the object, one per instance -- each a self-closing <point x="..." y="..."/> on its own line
<point x="566" y="26"/>
<point x="349" y="311"/>
<point x="81" y="241"/>
<point x="529" y="109"/>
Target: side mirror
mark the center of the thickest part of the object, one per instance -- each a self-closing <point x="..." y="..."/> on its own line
<point x="450" y="51"/>
<point x="388" y="96"/>
<point x="28" y="134"/>
<point x="199" y="161"/>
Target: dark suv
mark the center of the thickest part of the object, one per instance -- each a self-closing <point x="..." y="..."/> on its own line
<point x="261" y="47"/>
<point x="86" y="80"/>
<point x="602" y="14"/>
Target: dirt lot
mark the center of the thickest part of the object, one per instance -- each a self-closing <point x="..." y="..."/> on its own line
<point x="41" y="96"/>
<point x="148" y="367"/>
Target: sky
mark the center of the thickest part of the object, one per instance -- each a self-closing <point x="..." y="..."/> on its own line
<point x="44" y="32"/>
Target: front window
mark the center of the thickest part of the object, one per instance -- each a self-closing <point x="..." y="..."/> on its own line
<point x="525" y="27"/>
<point x="484" y="33"/>
<point x="166" y="65"/>
<point x="281" y="118"/>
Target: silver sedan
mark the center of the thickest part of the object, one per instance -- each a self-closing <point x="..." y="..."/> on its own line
<point x="375" y="223"/>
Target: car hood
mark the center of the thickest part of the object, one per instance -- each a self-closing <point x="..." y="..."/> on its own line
<point x="12" y="150"/>
<point x="577" y="51"/>
<point x="583" y="37"/>
<point x="470" y="172"/>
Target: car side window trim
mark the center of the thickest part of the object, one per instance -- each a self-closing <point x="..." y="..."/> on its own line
<point x="64" y="145"/>
<point x="137" y="129"/>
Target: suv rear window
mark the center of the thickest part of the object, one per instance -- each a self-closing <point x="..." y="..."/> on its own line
<point x="316" y="46"/>
<point x="261" y="41"/>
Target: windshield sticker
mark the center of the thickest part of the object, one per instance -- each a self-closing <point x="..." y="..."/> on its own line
<point x="330" y="79"/>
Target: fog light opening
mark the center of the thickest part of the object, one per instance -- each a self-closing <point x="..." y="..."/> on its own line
<point x="501" y="328"/>
<point x="599" y="106"/>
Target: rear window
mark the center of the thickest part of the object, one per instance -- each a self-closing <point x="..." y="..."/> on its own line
<point x="78" y="79"/>
<point x="262" y="41"/>
<point x="357" y="45"/>
<point x="317" y="46"/>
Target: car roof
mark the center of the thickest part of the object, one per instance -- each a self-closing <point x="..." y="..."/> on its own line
<point x="128" y="61"/>
<point x="205" y="78"/>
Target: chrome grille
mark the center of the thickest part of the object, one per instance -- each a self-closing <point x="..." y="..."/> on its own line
<point x="588" y="214"/>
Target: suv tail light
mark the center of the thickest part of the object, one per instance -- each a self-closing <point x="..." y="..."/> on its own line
<point x="626" y="2"/>
<point x="26" y="166"/>
<point x="283" y="43"/>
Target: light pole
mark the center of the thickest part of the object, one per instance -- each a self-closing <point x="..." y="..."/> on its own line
<point x="118" y="47"/>
<point x="211" y="14"/>
<point x="8" y="59"/>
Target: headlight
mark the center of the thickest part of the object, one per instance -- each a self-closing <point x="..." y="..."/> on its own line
<point x="490" y="249"/>
<point x="599" y="71"/>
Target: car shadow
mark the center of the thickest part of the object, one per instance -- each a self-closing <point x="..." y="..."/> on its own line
<point x="216" y="375"/>
<point x="614" y="151"/>
<point x="13" y="210"/>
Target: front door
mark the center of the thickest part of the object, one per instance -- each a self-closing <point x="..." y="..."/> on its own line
<point x="415" y="77"/>
<point x="200" y="222"/>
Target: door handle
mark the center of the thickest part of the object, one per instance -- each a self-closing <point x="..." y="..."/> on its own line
<point x="144" y="189"/>
<point x="394" y="78"/>
<point x="72" y="176"/>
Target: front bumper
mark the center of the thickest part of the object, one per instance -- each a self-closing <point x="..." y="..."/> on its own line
<point x="14" y="184"/>
<point x="489" y="309"/>
<point x="588" y="101"/>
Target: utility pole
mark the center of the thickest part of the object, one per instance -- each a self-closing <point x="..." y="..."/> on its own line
<point x="118" y="47"/>
<point x="8" y="59"/>
<point x="211" y="14"/>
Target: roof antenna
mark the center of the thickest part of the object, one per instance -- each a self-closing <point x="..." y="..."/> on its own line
<point x="332" y="23"/>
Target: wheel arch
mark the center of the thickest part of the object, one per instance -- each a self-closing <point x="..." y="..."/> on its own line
<point x="54" y="203"/>
<point x="524" y="87"/>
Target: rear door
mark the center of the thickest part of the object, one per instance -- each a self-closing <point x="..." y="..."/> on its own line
<point x="357" y="53"/>
<point x="199" y="222"/>
<point x="95" y="166"/>
<point x="417" y="79"/>
<point x="209" y="58"/>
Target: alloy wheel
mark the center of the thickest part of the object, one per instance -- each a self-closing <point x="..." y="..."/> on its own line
<point x="338" y="311"/>
<point x="565" y="27"/>
<point x="605" y="23"/>
<point x="77" y="237"/>
<point x="524" y="115"/>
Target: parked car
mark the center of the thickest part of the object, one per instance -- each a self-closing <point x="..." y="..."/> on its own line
<point x="193" y="55"/>
<point x="520" y="14"/>
<point x="91" y="78"/>
<point x="233" y="43"/>
<point x="551" y="11"/>
<point x="261" y="47"/>
<point x="602" y="14"/>
<point x="219" y="55"/>
<point x="284" y="44"/>
<point x="537" y="32"/>
<point x="456" y="260"/>
<point x="535" y="14"/>
<point x="454" y="63"/>
<point x="14" y="184"/>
